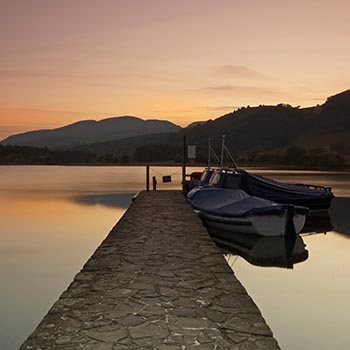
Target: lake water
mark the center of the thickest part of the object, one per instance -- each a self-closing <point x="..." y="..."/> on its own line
<point x="53" y="218"/>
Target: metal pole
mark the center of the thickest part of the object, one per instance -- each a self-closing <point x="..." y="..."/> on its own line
<point x="184" y="158"/>
<point x="147" y="178"/>
<point x="209" y="155"/>
<point x="222" y="151"/>
<point x="154" y="182"/>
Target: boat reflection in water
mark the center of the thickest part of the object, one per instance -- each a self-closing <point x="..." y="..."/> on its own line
<point x="279" y="251"/>
<point x="317" y="222"/>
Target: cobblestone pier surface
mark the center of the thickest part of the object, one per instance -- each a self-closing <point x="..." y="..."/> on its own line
<point x="156" y="282"/>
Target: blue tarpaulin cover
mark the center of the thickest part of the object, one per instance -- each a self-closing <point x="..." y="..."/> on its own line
<point x="231" y="202"/>
<point x="267" y="188"/>
<point x="313" y="197"/>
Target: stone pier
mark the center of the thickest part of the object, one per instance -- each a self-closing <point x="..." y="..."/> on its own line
<point x="156" y="282"/>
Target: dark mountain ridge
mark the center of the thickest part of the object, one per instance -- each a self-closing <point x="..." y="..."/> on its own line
<point x="91" y="131"/>
<point x="248" y="129"/>
<point x="281" y="126"/>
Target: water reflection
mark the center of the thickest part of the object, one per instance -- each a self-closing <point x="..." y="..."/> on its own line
<point x="111" y="200"/>
<point x="317" y="222"/>
<point x="284" y="251"/>
<point x="264" y="251"/>
<point x="340" y="214"/>
<point x="53" y="218"/>
<point x="281" y="251"/>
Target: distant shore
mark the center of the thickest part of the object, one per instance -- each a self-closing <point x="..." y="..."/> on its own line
<point x="292" y="158"/>
<point x="200" y="165"/>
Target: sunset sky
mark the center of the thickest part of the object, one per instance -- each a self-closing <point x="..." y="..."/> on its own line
<point x="181" y="60"/>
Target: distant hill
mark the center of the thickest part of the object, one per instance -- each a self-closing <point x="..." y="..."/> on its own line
<point x="129" y="145"/>
<point x="192" y="125"/>
<point x="330" y="124"/>
<point x="278" y="127"/>
<point x="91" y="131"/>
<point x="248" y="129"/>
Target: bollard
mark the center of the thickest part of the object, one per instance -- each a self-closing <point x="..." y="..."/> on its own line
<point x="147" y="178"/>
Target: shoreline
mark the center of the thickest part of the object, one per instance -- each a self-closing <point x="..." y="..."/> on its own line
<point x="244" y="166"/>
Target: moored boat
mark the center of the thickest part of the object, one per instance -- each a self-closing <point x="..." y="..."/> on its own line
<point x="234" y="210"/>
<point x="312" y="197"/>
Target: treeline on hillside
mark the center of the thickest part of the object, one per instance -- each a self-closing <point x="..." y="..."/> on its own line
<point x="149" y="153"/>
<point x="33" y="155"/>
<point x="249" y="128"/>
<point x="280" y="127"/>
<point x="297" y="157"/>
<point x="294" y="157"/>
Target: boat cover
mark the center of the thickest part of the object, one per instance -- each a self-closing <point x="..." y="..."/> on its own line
<point x="232" y="202"/>
<point x="203" y="181"/>
<point x="263" y="187"/>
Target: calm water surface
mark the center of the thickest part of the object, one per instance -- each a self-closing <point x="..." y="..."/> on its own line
<point x="53" y="218"/>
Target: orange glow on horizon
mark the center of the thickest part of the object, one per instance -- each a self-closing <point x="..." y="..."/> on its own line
<point x="183" y="61"/>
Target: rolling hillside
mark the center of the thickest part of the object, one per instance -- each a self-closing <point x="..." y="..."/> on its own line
<point x="91" y="131"/>
<point x="262" y="128"/>
<point x="281" y="126"/>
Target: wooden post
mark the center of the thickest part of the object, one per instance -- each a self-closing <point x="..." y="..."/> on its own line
<point x="154" y="181"/>
<point x="184" y="158"/>
<point x="147" y="178"/>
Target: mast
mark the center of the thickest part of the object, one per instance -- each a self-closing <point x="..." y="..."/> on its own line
<point x="209" y="151"/>
<point x="222" y="151"/>
<point x="230" y="156"/>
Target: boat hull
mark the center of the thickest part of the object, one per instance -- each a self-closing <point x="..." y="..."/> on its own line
<point x="312" y="203"/>
<point x="262" y="225"/>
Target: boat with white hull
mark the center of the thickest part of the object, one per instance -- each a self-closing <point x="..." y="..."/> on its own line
<point x="235" y="211"/>
<point x="263" y="225"/>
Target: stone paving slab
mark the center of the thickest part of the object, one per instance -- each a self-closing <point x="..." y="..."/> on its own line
<point x="156" y="282"/>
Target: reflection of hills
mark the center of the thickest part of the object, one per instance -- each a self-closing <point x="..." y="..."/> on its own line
<point x="120" y="200"/>
<point x="340" y="215"/>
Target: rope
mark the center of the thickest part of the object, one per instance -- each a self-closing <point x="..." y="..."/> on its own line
<point x="157" y="172"/>
<point x="230" y="257"/>
<point x="179" y="171"/>
<point x="162" y="174"/>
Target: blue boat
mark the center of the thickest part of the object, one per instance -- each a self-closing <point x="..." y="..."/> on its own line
<point x="234" y="210"/>
<point x="312" y="197"/>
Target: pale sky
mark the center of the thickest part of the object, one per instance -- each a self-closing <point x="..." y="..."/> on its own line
<point x="180" y="60"/>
